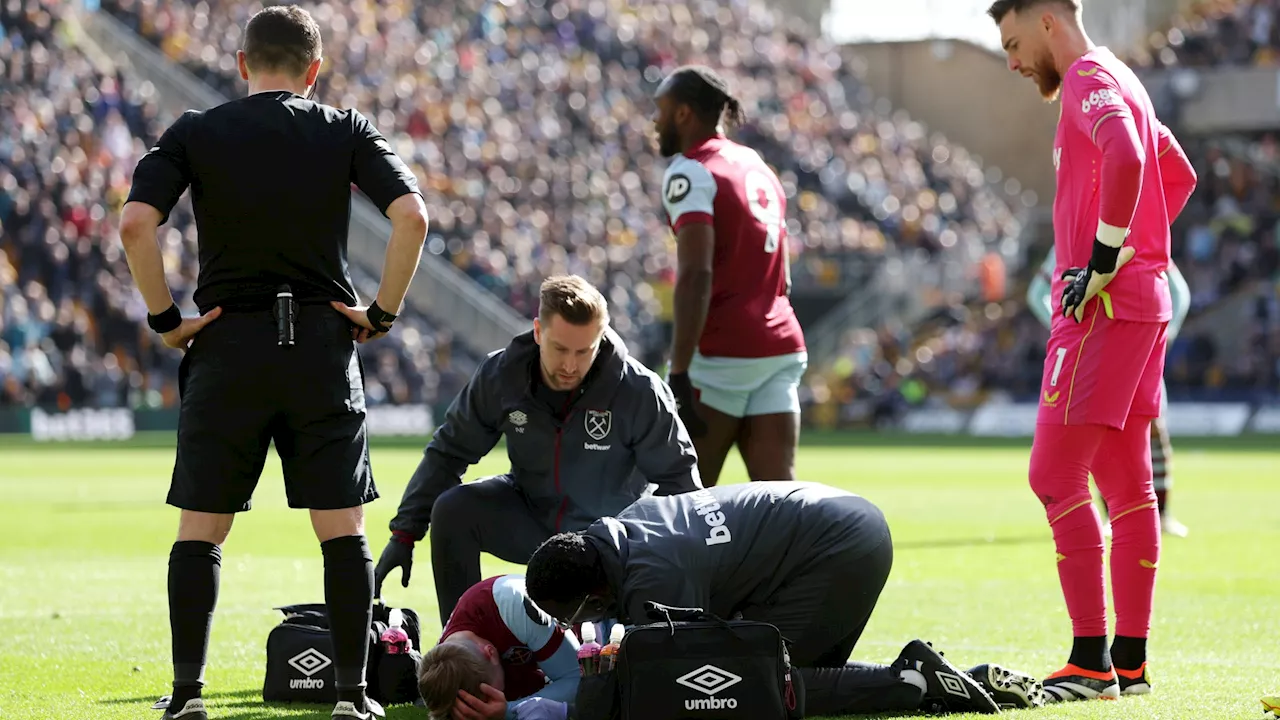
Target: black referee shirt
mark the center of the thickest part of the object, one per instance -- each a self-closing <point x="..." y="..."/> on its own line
<point x="270" y="178"/>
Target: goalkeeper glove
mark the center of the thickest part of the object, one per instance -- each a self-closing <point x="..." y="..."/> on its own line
<point x="1084" y="284"/>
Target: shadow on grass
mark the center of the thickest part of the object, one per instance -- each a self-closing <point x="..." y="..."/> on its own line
<point x="248" y="705"/>
<point x="212" y="697"/>
<point x="946" y="543"/>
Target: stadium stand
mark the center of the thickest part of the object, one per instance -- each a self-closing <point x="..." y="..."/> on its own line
<point x="1227" y="243"/>
<point x="451" y="84"/>
<point x="1225" y="32"/>
<point x="71" y="324"/>
<point x="539" y="112"/>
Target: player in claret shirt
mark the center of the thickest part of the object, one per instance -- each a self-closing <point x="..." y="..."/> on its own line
<point x="1121" y="178"/>
<point x="500" y="656"/>
<point x="737" y="341"/>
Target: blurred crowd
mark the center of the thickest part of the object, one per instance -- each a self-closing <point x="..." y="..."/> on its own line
<point x="1226" y="243"/>
<point x="72" y="325"/>
<point x="69" y="136"/>
<point x="1216" y="32"/>
<point x="528" y="124"/>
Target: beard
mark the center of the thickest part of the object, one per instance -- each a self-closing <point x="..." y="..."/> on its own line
<point x="668" y="142"/>
<point x="555" y="382"/>
<point x="1048" y="80"/>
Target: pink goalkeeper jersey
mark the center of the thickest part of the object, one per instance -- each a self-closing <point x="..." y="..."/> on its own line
<point x="1096" y="90"/>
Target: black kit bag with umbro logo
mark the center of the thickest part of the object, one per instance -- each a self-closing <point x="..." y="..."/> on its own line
<point x="693" y="664"/>
<point x="300" y="658"/>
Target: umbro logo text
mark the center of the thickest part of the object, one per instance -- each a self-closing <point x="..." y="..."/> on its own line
<point x="711" y="704"/>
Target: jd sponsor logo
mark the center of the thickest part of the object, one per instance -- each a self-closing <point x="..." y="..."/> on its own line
<point x="709" y="680"/>
<point x="704" y="503"/>
<point x="308" y="662"/>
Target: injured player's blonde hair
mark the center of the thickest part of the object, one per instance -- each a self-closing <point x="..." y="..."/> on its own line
<point x="448" y="668"/>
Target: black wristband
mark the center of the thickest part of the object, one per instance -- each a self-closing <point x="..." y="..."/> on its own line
<point x="1104" y="257"/>
<point x="166" y="321"/>
<point x="380" y="319"/>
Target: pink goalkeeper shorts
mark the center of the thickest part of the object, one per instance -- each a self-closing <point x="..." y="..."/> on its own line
<point x="1100" y="371"/>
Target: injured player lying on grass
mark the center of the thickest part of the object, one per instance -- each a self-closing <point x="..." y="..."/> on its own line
<point x="809" y="559"/>
<point x="499" y="657"/>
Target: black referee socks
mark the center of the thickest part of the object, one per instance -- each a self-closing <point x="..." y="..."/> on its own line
<point x="194" y="568"/>
<point x="348" y="591"/>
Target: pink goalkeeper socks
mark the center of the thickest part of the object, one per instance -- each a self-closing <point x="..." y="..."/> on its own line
<point x="1135" y="553"/>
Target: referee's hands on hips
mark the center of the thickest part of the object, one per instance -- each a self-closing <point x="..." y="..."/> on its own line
<point x="362" y="330"/>
<point x="180" y="337"/>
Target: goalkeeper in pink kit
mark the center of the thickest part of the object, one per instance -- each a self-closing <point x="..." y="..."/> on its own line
<point x="1122" y="179"/>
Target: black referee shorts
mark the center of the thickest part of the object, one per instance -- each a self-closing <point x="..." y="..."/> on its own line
<point x="240" y="391"/>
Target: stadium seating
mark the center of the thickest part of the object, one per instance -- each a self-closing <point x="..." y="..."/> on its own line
<point x="1225" y="32"/>
<point x="1226" y="242"/>
<point x="574" y="189"/>
<point x="72" y="331"/>
<point x="540" y="112"/>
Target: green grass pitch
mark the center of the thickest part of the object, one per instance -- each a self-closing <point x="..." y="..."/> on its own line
<point x="85" y="536"/>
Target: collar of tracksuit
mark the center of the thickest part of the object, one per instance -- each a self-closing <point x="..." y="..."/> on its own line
<point x="609" y="538"/>
<point x="521" y="365"/>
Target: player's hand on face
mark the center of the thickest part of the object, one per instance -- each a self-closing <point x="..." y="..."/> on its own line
<point x="361" y="329"/>
<point x="1084" y="284"/>
<point x="470" y="707"/>
<point x="180" y="337"/>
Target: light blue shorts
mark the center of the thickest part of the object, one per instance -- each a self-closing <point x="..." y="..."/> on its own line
<point x="741" y="387"/>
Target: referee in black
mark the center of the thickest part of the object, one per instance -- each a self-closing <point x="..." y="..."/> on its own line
<point x="270" y="177"/>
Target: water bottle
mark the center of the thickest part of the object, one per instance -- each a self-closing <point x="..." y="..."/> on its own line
<point x="609" y="653"/>
<point x="589" y="653"/>
<point x="395" y="641"/>
<point x="397" y="680"/>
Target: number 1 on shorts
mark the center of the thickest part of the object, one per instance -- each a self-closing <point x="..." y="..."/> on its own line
<point x="1057" y="367"/>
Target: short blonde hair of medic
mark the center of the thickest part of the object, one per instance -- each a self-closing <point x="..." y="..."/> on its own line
<point x="572" y="298"/>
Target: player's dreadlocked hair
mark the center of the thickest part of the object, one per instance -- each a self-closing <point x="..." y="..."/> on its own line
<point x="704" y="90"/>
<point x="565" y="569"/>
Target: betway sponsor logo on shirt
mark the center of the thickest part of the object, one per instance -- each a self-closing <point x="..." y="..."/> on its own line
<point x="704" y="503"/>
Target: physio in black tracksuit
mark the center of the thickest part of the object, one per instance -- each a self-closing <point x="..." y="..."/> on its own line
<point x="271" y="179"/>
<point x="804" y="557"/>
<point x="589" y="431"/>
